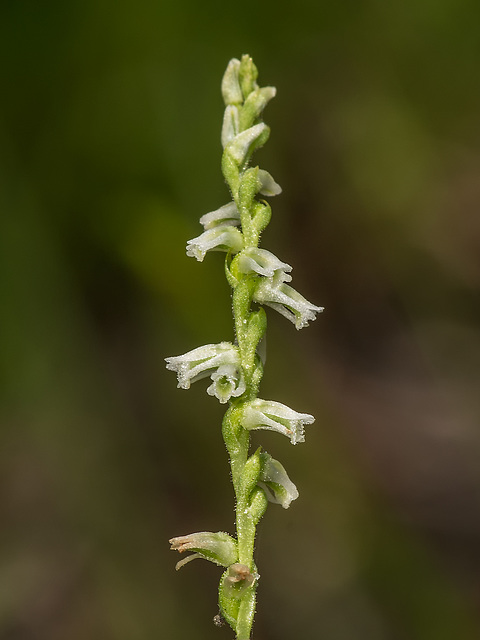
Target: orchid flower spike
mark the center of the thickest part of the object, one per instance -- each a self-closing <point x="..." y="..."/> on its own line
<point x="257" y="277"/>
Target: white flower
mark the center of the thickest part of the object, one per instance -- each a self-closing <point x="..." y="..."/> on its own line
<point x="264" y="263"/>
<point x="226" y="215"/>
<point x="267" y="414"/>
<point x="220" y="361"/>
<point x="275" y="482"/>
<point x="219" y="238"/>
<point x="240" y="145"/>
<point x="268" y="185"/>
<point x="286" y="300"/>
<point x="226" y="383"/>
<point x="219" y="548"/>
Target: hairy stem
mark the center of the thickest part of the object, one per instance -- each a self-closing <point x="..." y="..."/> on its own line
<point x="257" y="277"/>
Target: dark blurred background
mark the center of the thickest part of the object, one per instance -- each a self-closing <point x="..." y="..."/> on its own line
<point x="110" y="118"/>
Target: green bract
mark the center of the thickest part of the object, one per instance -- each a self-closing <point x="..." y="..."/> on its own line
<point x="236" y="368"/>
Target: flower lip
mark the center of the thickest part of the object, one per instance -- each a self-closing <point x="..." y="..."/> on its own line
<point x="227" y="381"/>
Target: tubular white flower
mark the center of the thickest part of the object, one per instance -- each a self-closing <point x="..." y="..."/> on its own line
<point x="230" y="127"/>
<point x="275" y="482"/>
<point x="275" y="416"/>
<point x="219" y="548"/>
<point x="286" y="300"/>
<point x="219" y="238"/>
<point x="241" y="143"/>
<point x="228" y="381"/>
<point x="268" y="185"/>
<point x="263" y="262"/>
<point x="226" y="215"/>
<point x="204" y="361"/>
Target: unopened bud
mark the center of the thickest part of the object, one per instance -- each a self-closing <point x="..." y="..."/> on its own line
<point x="231" y="91"/>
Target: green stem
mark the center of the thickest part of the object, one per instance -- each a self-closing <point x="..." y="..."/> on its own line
<point x="237" y="441"/>
<point x="250" y="327"/>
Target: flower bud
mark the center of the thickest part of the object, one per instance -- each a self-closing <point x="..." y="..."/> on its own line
<point x="275" y="482"/>
<point x="231" y="91"/>
<point x="242" y="143"/>
<point x="255" y="104"/>
<point x="247" y="73"/>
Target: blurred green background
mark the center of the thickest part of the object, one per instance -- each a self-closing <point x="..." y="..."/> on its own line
<point x="109" y="153"/>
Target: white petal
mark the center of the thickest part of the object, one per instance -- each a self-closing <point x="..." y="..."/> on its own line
<point x="226" y="215"/>
<point x="269" y="186"/>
